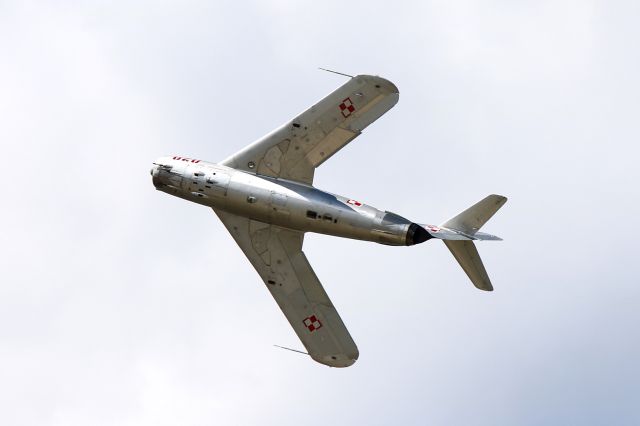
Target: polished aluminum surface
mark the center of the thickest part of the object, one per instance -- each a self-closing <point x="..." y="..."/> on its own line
<point x="263" y="194"/>
<point x="277" y="201"/>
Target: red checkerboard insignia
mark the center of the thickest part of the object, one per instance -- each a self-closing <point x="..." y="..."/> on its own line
<point x="346" y="107"/>
<point x="433" y="228"/>
<point x="312" y="323"/>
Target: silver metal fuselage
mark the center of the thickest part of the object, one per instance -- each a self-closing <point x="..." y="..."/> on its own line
<point x="281" y="202"/>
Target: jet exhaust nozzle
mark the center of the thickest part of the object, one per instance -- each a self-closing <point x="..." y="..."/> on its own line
<point x="417" y="234"/>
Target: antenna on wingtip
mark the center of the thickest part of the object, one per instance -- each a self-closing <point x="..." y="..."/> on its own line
<point x="292" y="350"/>
<point x="335" y="72"/>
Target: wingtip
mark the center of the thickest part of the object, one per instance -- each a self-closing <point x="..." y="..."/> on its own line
<point x="337" y="360"/>
<point x="384" y="84"/>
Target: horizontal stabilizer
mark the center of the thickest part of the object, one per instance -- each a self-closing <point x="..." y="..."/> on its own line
<point x="471" y="220"/>
<point x="467" y="256"/>
<point x="460" y="232"/>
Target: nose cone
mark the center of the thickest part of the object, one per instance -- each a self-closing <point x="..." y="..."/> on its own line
<point x="158" y="169"/>
<point x="167" y="173"/>
<point x="155" y="174"/>
<point x="417" y="234"/>
<point x="155" y="179"/>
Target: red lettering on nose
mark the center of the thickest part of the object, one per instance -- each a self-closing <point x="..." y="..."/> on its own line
<point x="191" y="160"/>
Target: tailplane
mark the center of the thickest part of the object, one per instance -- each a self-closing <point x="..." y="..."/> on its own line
<point x="471" y="220"/>
<point x="467" y="256"/>
<point x="459" y="233"/>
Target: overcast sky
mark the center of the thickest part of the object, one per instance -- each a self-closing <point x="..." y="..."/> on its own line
<point x="121" y="305"/>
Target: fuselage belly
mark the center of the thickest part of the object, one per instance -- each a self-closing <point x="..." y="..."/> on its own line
<point x="280" y="202"/>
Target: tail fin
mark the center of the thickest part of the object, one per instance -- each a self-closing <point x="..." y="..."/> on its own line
<point x="459" y="233"/>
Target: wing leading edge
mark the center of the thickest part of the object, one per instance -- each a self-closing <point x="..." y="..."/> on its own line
<point x="294" y="150"/>
<point x="276" y="254"/>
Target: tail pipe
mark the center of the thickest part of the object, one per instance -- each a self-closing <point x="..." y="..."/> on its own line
<point x="417" y="234"/>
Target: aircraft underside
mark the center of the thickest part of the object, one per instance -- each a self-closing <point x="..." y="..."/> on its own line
<point x="264" y="196"/>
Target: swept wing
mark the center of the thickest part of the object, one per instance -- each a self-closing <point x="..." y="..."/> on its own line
<point x="294" y="150"/>
<point x="276" y="254"/>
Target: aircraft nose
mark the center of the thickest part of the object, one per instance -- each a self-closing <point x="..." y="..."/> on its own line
<point x="165" y="174"/>
<point x="155" y="176"/>
<point x="155" y="170"/>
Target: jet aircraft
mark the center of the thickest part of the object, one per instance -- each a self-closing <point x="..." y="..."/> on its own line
<point x="264" y="195"/>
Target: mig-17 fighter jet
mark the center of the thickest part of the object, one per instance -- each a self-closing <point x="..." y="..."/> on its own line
<point x="265" y="197"/>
